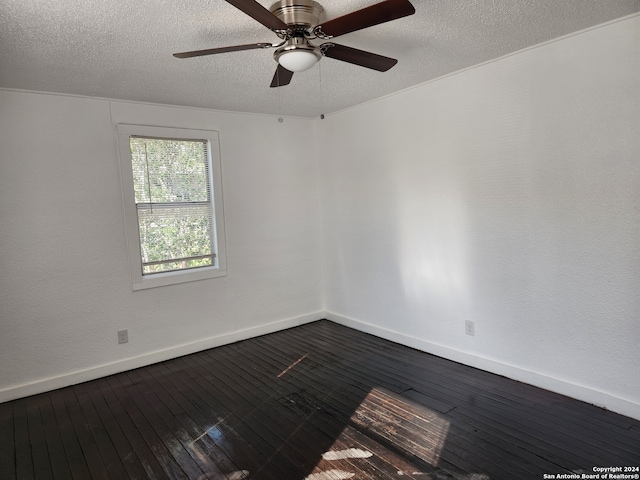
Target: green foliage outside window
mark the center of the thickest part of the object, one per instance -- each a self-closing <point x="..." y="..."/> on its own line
<point x="173" y="199"/>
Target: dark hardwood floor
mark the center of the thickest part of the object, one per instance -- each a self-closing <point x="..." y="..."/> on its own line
<point x="321" y="402"/>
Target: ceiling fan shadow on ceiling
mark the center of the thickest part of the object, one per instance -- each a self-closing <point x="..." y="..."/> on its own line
<point x="297" y="23"/>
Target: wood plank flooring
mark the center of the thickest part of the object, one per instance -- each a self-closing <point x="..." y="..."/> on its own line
<point x="316" y="402"/>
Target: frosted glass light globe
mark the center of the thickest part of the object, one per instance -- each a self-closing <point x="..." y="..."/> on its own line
<point x="297" y="60"/>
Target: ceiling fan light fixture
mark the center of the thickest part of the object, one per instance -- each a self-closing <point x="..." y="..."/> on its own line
<point x="297" y="55"/>
<point x="298" y="60"/>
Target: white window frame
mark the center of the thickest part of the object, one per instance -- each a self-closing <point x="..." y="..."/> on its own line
<point x="219" y="269"/>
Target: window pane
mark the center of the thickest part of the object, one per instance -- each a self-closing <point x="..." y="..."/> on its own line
<point x="175" y="233"/>
<point x="167" y="170"/>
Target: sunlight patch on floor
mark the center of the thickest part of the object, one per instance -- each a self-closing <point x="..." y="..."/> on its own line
<point x="395" y="429"/>
<point x="407" y="426"/>
<point x="332" y="474"/>
<point x="348" y="453"/>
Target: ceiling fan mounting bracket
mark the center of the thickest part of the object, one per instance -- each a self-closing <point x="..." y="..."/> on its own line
<point x="298" y="14"/>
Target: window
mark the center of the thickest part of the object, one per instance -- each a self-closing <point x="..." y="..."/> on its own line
<point x="172" y="189"/>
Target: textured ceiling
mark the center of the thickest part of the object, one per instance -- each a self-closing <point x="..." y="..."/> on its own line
<point x="123" y="49"/>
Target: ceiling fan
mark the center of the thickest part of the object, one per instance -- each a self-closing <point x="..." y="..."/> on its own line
<point x="297" y="22"/>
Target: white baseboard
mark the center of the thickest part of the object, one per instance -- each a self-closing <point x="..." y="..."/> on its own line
<point x="73" y="378"/>
<point x="563" y="387"/>
<point x="585" y="394"/>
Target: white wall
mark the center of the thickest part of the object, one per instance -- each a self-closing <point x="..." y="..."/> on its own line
<point x="509" y="195"/>
<point x="65" y="285"/>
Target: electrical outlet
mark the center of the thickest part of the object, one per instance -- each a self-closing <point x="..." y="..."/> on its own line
<point x="123" y="336"/>
<point x="470" y="328"/>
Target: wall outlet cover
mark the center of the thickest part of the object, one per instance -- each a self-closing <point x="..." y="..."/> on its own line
<point x="470" y="328"/>
<point x="123" y="336"/>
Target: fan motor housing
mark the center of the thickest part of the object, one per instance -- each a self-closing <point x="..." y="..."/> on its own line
<point x="302" y="13"/>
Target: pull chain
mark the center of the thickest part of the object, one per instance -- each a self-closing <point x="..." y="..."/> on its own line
<point x="320" y="79"/>
<point x="280" y="119"/>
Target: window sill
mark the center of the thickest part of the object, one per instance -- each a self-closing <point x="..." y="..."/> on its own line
<point x="174" y="278"/>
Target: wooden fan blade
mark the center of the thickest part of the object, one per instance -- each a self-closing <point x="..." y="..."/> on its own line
<point x="358" y="57"/>
<point x="259" y="13"/>
<point x="282" y="77"/>
<point x="367" y="17"/>
<point x="213" y="51"/>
